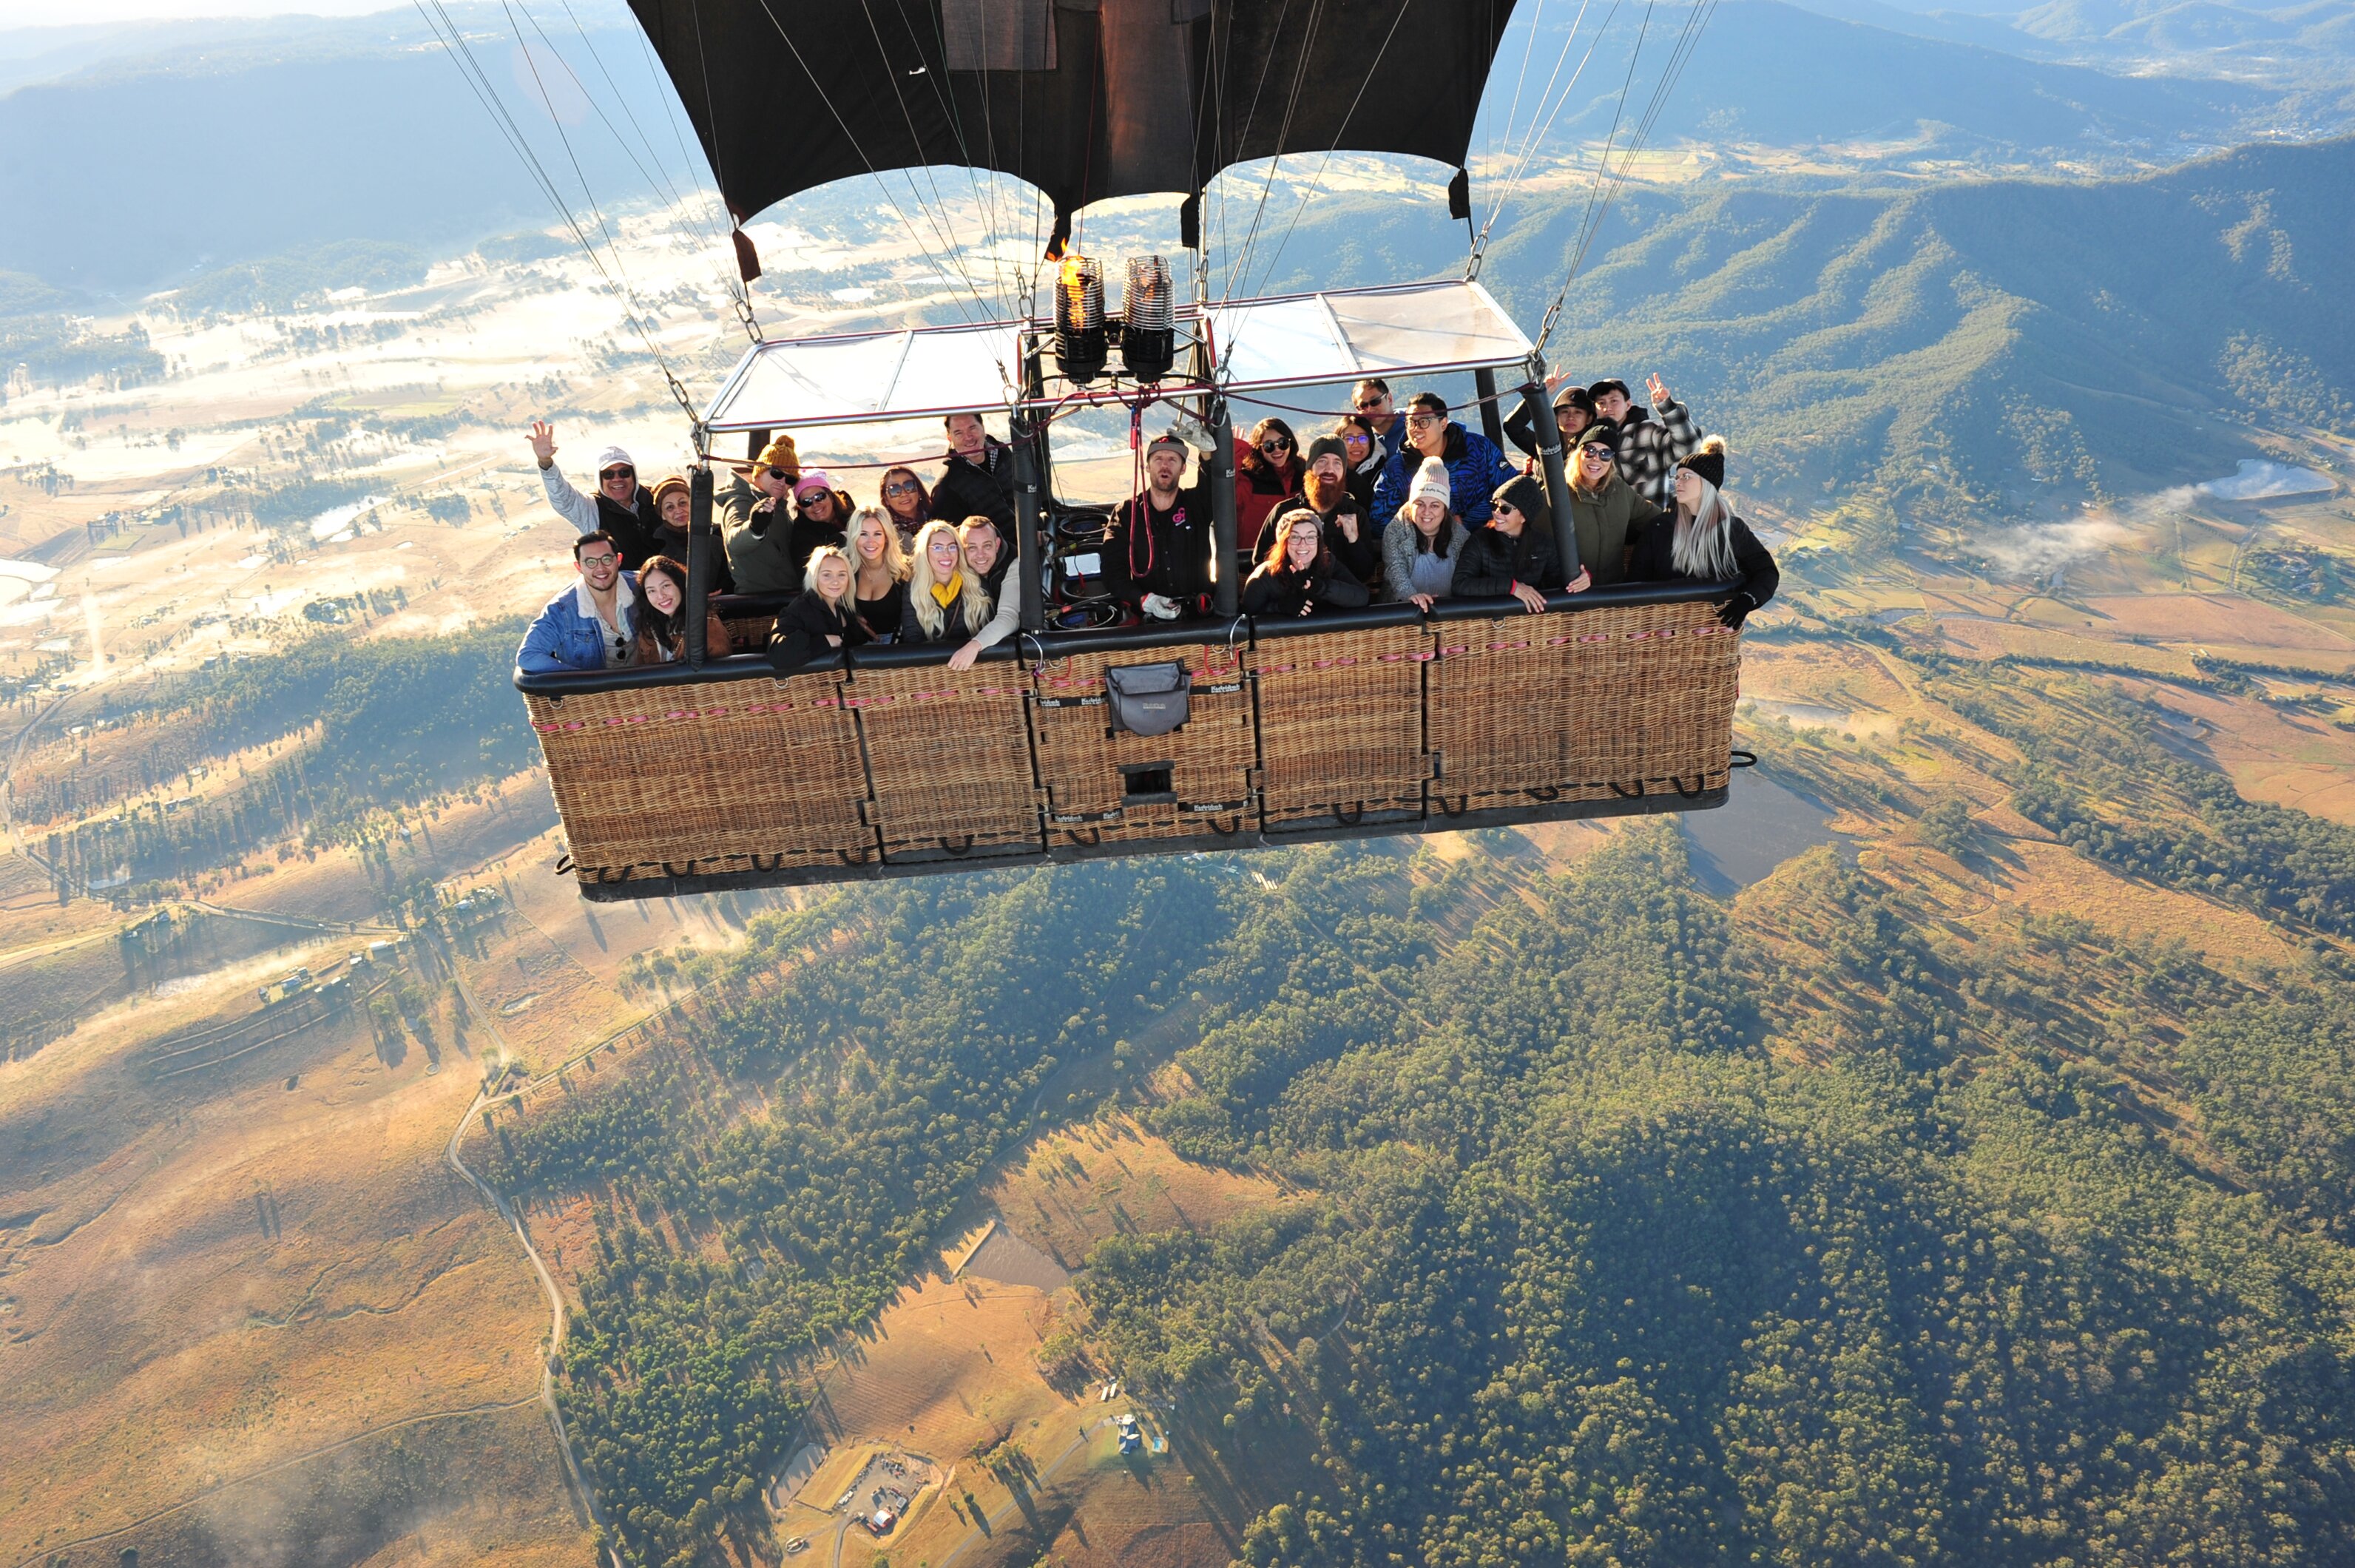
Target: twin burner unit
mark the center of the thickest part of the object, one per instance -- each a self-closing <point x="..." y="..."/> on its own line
<point x="1149" y="330"/>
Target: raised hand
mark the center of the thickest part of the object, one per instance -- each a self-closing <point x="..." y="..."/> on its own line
<point x="543" y="441"/>
<point x="1659" y="388"/>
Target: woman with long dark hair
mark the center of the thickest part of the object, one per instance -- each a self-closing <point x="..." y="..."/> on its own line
<point x="662" y="616"/>
<point x="1300" y="575"/>
<point x="906" y="502"/>
<point x="1704" y="541"/>
<point x="1267" y="469"/>
<point x="1424" y="543"/>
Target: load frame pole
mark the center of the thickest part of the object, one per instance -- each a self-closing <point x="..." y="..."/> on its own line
<point x="1557" y="481"/>
<point x="699" y="563"/>
<point x="1492" y="419"/>
<point x="1220" y="467"/>
<point x="1026" y="520"/>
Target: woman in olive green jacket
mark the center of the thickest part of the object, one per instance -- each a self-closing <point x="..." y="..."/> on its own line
<point x="1609" y="511"/>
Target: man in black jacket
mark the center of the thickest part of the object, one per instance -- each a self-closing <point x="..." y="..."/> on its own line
<point x="978" y="478"/>
<point x="1325" y="490"/>
<point x="1156" y="553"/>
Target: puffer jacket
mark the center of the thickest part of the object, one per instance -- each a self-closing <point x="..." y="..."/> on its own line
<point x="1475" y="469"/>
<point x="1493" y="563"/>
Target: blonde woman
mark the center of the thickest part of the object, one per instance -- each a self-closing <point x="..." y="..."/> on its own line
<point x="947" y="598"/>
<point x="879" y="566"/>
<point x="1703" y="542"/>
<point x="822" y="620"/>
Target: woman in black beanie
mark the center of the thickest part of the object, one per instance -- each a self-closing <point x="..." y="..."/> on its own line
<point x="1514" y="551"/>
<point x="1703" y="542"/>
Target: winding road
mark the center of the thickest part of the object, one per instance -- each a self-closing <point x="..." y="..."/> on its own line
<point x="573" y="1475"/>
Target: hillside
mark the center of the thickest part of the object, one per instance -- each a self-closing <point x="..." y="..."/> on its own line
<point x="1988" y="345"/>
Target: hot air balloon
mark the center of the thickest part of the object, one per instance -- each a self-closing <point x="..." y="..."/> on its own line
<point x="1217" y="732"/>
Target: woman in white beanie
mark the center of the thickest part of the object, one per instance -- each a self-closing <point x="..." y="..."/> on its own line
<point x="1420" y="545"/>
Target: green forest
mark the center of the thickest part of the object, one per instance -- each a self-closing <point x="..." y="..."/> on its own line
<point x="1644" y="1228"/>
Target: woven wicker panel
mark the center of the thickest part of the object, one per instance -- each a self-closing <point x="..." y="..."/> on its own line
<point x="1340" y="722"/>
<point x="1583" y="704"/>
<point x="750" y="633"/>
<point x="680" y="776"/>
<point x="964" y="822"/>
<point x="948" y="754"/>
<point x="1210" y="756"/>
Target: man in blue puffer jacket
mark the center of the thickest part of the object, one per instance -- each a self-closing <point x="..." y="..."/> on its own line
<point x="1475" y="466"/>
<point x="592" y="624"/>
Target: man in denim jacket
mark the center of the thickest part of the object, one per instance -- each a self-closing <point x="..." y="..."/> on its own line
<point x="592" y="623"/>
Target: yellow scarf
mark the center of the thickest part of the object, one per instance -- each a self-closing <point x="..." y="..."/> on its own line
<point x="944" y="594"/>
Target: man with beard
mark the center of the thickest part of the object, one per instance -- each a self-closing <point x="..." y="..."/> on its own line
<point x="622" y="507"/>
<point x="1652" y="440"/>
<point x="977" y="478"/>
<point x="1156" y="553"/>
<point x="1325" y="490"/>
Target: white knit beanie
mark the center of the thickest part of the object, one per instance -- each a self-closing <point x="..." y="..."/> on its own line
<point x="1432" y="481"/>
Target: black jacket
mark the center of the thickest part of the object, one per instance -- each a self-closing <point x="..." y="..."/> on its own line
<point x="983" y="489"/>
<point x="1654" y="562"/>
<point x="1166" y="553"/>
<point x="953" y="627"/>
<point x="799" y="637"/>
<point x="1286" y="594"/>
<point x="1491" y="563"/>
<point x="674" y="545"/>
<point x="1364" y="559"/>
<point x="634" y="527"/>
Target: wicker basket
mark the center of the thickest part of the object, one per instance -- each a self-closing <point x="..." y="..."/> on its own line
<point x="1340" y="724"/>
<point x="1110" y="788"/>
<point x="653" y="781"/>
<point x="1614" y="702"/>
<point x="948" y="755"/>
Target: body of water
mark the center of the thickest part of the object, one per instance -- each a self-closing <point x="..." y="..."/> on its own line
<point x="1762" y="825"/>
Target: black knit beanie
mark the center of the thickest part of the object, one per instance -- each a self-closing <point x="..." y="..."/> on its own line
<point x="1527" y="496"/>
<point x="1709" y="462"/>
<point x="1327" y="446"/>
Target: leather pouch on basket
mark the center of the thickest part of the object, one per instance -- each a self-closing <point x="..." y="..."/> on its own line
<point x="1147" y="698"/>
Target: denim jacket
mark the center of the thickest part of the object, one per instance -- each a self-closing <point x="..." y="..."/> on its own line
<point x="568" y="634"/>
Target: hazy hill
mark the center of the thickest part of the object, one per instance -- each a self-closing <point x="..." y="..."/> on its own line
<point x="1770" y="72"/>
<point x="139" y="170"/>
<point x="1991" y="341"/>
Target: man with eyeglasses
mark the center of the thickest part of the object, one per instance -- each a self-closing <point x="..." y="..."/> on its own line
<point x="976" y="475"/>
<point x="1475" y="466"/>
<point x="1372" y="398"/>
<point x="1608" y="511"/>
<point x="622" y="507"/>
<point x="592" y="624"/>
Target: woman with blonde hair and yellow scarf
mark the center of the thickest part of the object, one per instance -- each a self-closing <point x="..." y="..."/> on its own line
<point x="948" y="599"/>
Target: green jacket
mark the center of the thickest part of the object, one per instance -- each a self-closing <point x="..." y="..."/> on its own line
<point x="1608" y="521"/>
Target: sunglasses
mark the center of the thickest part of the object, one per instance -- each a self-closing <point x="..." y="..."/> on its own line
<point x="619" y="472"/>
<point x="1599" y="452"/>
<point x="901" y="487"/>
<point x="1276" y="444"/>
<point x="1373" y="403"/>
<point x="782" y="474"/>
